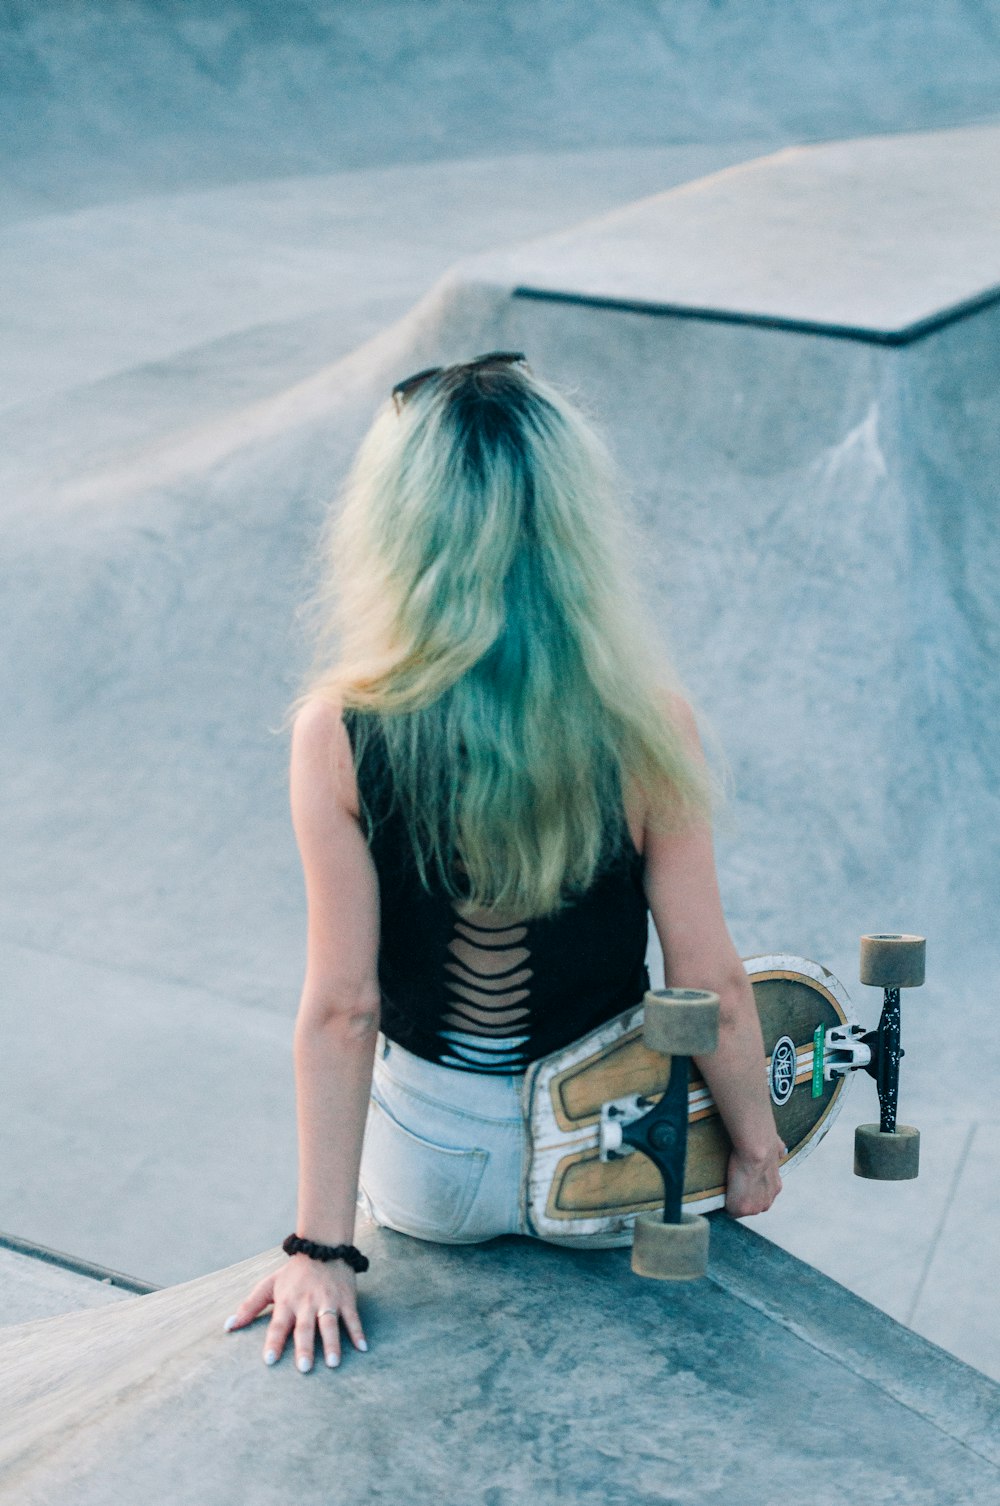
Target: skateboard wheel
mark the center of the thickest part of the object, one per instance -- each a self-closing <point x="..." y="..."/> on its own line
<point x="893" y="961"/>
<point x="670" y="1252"/>
<point x="886" y="1157"/>
<point x="681" y="1021"/>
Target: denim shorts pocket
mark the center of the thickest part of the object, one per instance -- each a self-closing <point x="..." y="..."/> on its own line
<point x="420" y="1187"/>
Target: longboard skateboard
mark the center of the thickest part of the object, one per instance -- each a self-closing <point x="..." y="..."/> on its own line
<point x="582" y="1179"/>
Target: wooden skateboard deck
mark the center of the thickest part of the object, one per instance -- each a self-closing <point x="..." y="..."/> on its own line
<point x="568" y="1190"/>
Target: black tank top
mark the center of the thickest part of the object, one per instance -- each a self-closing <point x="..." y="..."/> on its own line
<point x="480" y="992"/>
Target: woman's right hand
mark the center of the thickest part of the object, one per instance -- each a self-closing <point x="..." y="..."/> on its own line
<point x="302" y="1293"/>
<point x="754" y="1180"/>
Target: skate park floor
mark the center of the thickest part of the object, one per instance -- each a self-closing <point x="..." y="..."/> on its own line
<point x="186" y="371"/>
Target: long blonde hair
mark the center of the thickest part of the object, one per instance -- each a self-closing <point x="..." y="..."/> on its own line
<point x="476" y="608"/>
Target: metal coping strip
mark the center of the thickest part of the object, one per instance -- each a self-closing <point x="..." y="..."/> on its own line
<point x="905" y="336"/>
<point x="80" y="1267"/>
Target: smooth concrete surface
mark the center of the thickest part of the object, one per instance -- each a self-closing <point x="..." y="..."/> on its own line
<point x="879" y="238"/>
<point x="300" y="270"/>
<point x="501" y="1374"/>
<point x="126" y="97"/>
<point x="960" y="1272"/>
<point x="34" y="1289"/>
<point x="173" y="1135"/>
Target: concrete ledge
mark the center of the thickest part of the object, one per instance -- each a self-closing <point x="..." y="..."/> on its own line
<point x="884" y="240"/>
<point x="957" y="1399"/>
<point x="499" y="1374"/>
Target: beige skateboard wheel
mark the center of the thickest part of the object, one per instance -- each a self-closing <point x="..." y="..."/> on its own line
<point x="893" y="961"/>
<point x="670" y="1252"/>
<point x="886" y="1157"/>
<point x="681" y="1021"/>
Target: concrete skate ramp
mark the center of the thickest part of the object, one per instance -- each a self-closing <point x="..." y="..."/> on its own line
<point x="823" y="507"/>
<point x="498" y="1376"/>
<point x="120" y="97"/>
<point x="823" y="554"/>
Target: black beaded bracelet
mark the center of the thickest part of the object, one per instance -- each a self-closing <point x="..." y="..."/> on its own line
<point x="293" y="1245"/>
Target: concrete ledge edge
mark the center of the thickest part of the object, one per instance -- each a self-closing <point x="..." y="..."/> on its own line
<point x="959" y="1400"/>
<point x="866" y="335"/>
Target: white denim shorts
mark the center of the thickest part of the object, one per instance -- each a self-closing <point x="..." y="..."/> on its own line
<point x="446" y="1152"/>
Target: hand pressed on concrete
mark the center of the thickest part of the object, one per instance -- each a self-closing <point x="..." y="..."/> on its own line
<point x="306" y="1295"/>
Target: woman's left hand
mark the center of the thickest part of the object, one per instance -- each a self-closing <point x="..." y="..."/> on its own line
<point x="754" y="1180"/>
<point x="306" y="1296"/>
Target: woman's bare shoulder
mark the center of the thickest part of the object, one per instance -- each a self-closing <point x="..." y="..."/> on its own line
<point x="321" y="749"/>
<point x="318" y="718"/>
<point x="679" y="712"/>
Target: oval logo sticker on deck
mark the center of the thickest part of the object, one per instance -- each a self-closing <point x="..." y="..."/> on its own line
<point x="781" y="1073"/>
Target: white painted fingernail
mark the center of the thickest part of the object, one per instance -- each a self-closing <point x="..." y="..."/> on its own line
<point x="230" y="1323"/>
<point x="363" y="1345"/>
<point x="270" y="1357"/>
<point x="333" y="1360"/>
<point x="304" y="1364"/>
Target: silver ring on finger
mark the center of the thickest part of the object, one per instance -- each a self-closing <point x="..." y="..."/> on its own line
<point x="324" y="1310"/>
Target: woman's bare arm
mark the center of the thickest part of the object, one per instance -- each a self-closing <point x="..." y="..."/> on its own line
<point x="338" y="1015"/>
<point x="683" y="894"/>
<point x="335" y="1035"/>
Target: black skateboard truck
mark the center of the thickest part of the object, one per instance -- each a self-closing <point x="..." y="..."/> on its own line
<point x="887" y="1151"/>
<point x="679" y="1023"/>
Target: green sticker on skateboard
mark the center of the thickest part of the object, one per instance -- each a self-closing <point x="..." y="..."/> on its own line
<point x="819" y="1039"/>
